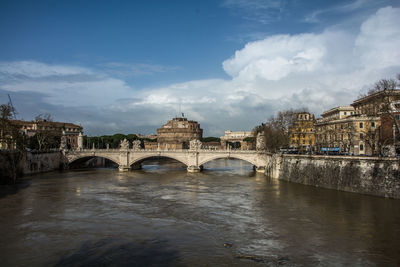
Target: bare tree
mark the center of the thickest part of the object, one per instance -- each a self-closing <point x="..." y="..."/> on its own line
<point x="43" y="117"/>
<point x="47" y="136"/>
<point x="10" y="136"/>
<point x="388" y="106"/>
<point x="276" y="129"/>
<point x="371" y="139"/>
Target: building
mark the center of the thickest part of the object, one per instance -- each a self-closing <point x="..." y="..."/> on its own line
<point x="342" y="131"/>
<point x="71" y="131"/>
<point x="177" y="133"/>
<point x="377" y="103"/>
<point x="302" y="133"/>
<point x="236" y="140"/>
<point x="337" y="113"/>
<point x="384" y="104"/>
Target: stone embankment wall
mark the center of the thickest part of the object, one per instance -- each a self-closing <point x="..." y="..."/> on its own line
<point x="43" y="162"/>
<point x="10" y="166"/>
<point x="365" y="175"/>
<point x="14" y="164"/>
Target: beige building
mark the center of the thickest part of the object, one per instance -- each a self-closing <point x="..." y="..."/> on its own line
<point x="302" y="133"/>
<point x="384" y="104"/>
<point x="236" y="140"/>
<point x="177" y="133"/>
<point x="341" y="130"/>
<point x="377" y="103"/>
<point x="30" y="128"/>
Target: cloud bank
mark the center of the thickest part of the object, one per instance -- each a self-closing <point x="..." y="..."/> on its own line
<point x="314" y="70"/>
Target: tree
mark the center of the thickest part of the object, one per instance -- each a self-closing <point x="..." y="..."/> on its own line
<point x="383" y="85"/>
<point x="211" y="139"/>
<point x="275" y="138"/>
<point x="276" y="129"/>
<point x="388" y="106"/>
<point x="47" y="135"/>
<point x="10" y="136"/>
<point x="385" y="102"/>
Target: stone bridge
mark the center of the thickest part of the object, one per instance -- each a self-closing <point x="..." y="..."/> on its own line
<point x="128" y="159"/>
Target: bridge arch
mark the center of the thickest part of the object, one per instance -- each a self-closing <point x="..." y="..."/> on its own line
<point x="72" y="160"/>
<point x="143" y="158"/>
<point x="251" y="161"/>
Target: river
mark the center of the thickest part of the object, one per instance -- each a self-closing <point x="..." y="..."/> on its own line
<point x="161" y="215"/>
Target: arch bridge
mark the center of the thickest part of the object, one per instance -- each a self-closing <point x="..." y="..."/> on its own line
<point x="194" y="160"/>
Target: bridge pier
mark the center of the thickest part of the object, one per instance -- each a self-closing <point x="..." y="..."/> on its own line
<point x="194" y="168"/>
<point x="123" y="168"/>
<point x="260" y="169"/>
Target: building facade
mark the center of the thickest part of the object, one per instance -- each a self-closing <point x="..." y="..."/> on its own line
<point x="384" y="104"/>
<point x="302" y="133"/>
<point x="236" y="140"/>
<point x="177" y="133"/>
<point x="342" y="131"/>
<point x="377" y="103"/>
<point x="70" y="130"/>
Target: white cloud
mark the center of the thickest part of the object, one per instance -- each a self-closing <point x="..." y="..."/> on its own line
<point x="33" y="69"/>
<point x="379" y="39"/>
<point x="276" y="57"/>
<point x="62" y="84"/>
<point x="314" y="70"/>
<point x="315" y="16"/>
<point x="135" y="69"/>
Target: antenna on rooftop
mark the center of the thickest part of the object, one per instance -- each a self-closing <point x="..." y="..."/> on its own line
<point x="13" y="109"/>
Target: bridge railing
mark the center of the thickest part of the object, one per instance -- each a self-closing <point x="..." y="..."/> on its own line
<point x="161" y="150"/>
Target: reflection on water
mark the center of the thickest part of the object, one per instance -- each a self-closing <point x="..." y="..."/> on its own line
<point x="163" y="216"/>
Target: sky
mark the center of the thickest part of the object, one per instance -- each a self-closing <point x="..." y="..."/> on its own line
<point x="130" y="66"/>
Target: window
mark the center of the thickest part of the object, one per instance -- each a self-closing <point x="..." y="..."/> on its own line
<point x="341" y="126"/>
<point x="361" y="125"/>
<point x="362" y="147"/>
<point x="345" y="113"/>
<point x="373" y="124"/>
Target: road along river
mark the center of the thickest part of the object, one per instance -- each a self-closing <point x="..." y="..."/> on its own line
<point x="161" y="215"/>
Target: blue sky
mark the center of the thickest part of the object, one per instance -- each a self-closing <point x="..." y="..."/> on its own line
<point x="128" y="66"/>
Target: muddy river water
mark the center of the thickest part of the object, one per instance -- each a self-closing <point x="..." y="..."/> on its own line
<point x="163" y="216"/>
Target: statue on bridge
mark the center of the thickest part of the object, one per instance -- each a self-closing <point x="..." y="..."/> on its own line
<point x="124" y="145"/>
<point x="136" y="145"/>
<point x="195" y="144"/>
<point x="63" y="143"/>
<point x="260" y="142"/>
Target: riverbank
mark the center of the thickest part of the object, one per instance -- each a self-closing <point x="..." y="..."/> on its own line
<point x="364" y="175"/>
<point x="15" y="164"/>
